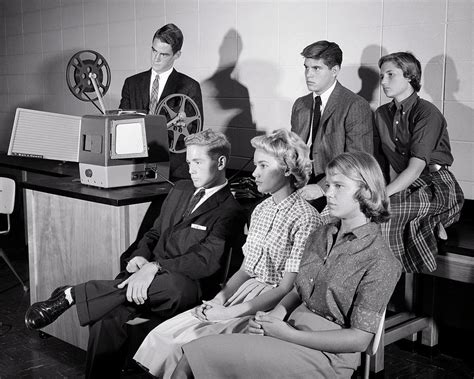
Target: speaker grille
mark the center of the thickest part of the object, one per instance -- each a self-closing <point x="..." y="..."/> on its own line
<point x="45" y="135"/>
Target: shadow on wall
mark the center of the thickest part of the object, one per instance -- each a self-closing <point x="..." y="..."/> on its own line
<point x="459" y="116"/>
<point x="228" y="100"/>
<point x="368" y="75"/>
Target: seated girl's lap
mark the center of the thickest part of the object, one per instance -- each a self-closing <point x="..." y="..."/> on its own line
<point x="303" y="319"/>
<point x="248" y="356"/>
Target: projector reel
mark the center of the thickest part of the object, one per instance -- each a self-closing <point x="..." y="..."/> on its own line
<point x="183" y="118"/>
<point x="78" y="69"/>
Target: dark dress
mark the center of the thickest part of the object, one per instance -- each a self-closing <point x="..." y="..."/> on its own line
<point x="416" y="128"/>
<point x="341" y="286"/>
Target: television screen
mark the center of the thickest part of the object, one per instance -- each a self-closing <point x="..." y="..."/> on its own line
<point x="128" y="139"/>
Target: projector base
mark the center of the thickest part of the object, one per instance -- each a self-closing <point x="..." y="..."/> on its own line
<point x="123" y="175"/>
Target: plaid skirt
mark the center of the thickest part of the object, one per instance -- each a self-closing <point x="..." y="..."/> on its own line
<point x="416" y="213"/>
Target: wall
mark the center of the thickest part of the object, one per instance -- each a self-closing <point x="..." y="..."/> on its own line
<point x="244" y="53"/>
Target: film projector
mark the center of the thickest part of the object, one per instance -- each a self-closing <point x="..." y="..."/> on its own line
<point x="120" y="148"/>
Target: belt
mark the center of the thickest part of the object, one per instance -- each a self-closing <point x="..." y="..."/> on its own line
<point x="436" y="167"/>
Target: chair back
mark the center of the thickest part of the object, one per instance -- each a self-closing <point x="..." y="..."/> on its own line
<point x="374" y="345"/>
<point x="231" y="253"/>
<point x="7" y="200"/>
<point x="7" y="195"/>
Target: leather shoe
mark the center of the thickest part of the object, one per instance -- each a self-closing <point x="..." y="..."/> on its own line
<point x="43" y="313"/>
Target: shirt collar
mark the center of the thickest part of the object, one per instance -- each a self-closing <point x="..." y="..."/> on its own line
<point x="325" y="95"/>
<point x="371" y="228"/>
<point x="288" y="201"/>
<point x="211" y="191"/>
<point x="163" y="76"/>
<point x="406" y="104"/>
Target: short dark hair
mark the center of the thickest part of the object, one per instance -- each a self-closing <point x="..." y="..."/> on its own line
<point x="329" y="52"/>
<point x="217" y="143"/>
<point x="406" y="62"/>
<point x="364" y="169"/>
<point x="172" y="35"/>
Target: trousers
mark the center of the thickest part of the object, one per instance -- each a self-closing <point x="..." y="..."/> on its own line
<point x="104" y="308"/>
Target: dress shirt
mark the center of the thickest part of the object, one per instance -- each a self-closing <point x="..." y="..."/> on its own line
<point x="208" y="192"/>
<point x="163" y="79"/>
<point x="277" y="236"/>
<point x="324" y="100"/>
<point x="349" y="282"/>
<point x="413" y="128"/>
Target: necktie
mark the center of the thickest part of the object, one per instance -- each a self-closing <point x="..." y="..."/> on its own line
<point x="194" y="200"/>
<point x="315" y="121"/>
<point x="316" y="116"/>
<point x="154" y="95"/>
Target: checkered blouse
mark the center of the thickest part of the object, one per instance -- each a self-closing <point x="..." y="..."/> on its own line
<point x="277" y="237"/>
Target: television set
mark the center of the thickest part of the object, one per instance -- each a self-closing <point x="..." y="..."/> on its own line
<point x="122" y="150"/>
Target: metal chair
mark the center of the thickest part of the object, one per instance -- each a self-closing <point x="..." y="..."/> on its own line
<point x="373" y="347"/>
<point x="7" y="203"/>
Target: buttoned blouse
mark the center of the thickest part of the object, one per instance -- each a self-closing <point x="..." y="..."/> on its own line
<point x="349" y="283"/>
<point x="413" y="128"/>
<point x="277" y="237"/>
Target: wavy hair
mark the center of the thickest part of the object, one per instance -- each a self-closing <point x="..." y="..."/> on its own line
<point x="291" y="153"/>
<point x="216" y="142"/>
<point x="364" y="169"/>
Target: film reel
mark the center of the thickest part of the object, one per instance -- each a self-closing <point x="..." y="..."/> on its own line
<point x="183" y="118"/>
<point x="78" y="71"/>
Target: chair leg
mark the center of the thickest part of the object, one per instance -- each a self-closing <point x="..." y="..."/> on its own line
<point x="429" y="335"/>
<point x="366" y="366"/>
<point x="410" y="293"/>
<point x="5" y="258"/>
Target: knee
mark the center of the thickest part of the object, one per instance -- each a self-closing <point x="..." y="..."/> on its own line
<point x="177" y="290"/>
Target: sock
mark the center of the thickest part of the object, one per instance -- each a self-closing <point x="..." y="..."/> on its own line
<point x="69" y="295"/>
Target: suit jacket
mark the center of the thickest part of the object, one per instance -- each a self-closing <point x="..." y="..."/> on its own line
<point x="136" y="96"/>
<point x="136" y="90"/>
<point x="194" y="245"/>
<point x="346" y="125"/>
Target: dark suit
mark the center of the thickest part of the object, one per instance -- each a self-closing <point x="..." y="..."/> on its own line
<point x="346" y="125"/>
<point x="136" y="90"/>
<point x="136" y="96"/>
<point x="189" y="249"/>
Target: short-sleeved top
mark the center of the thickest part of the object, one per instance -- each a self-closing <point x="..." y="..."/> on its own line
<point x="413" y="128"/>
<point x="277" y="236"/>
<point x="349" y="283"/>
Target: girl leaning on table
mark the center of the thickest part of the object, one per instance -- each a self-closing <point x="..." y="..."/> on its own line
<point x="346" y="277"/>
<point x="414" y="150"/>
<point x="279" y="228"/>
